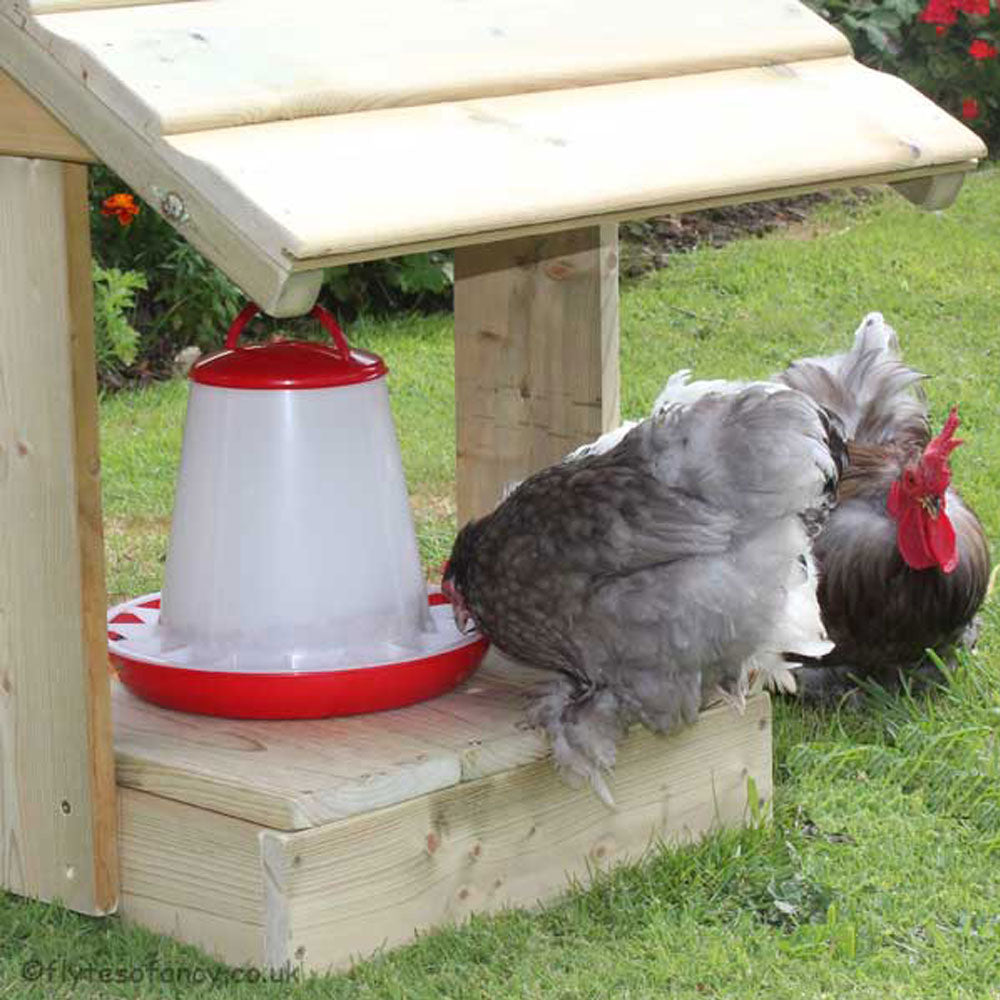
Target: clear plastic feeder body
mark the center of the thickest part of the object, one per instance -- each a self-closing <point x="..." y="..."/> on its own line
<point x="292" y="545"/>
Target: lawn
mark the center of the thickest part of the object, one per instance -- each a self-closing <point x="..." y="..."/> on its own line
<point x="879" y="875"/>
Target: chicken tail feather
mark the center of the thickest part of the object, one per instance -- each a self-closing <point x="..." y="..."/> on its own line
<point x="584" y="726"/>
<point x="875" y="396"/>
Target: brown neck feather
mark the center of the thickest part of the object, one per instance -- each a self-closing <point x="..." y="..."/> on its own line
<point x="871" y="469"/>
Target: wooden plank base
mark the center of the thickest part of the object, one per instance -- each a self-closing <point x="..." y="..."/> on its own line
<point x="328" y="895"/>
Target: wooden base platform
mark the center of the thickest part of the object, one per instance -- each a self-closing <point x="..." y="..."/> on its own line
<point x="320" y="842"/>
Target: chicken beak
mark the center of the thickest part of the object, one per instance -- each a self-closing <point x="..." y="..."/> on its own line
<point x="463" y="620"/>
<point x="932" y="504"/>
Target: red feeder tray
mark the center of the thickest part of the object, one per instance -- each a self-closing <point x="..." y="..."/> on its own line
<point x="307" y="694"/>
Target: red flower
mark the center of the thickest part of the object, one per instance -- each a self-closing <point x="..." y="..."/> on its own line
<point x="981" y="49"/>
<point x="122" y="206"/>
<point x="944" y="12"/>
<point x="940" y="29"/>
<point x="941" y="12"/>
<point x="970" y="108"/>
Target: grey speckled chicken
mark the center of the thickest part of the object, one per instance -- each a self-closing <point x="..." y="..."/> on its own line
<point x="656" y="574"/>
<point x="903" y="562"/>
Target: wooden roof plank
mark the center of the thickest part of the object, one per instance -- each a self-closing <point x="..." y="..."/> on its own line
<point x="347" y="183"/>
<point x="158" y="176"/>
<point x="64" y="6"/>
<point x="181" y="67"/>
<point x="272" y="202"/>
<point x="940" y="185"/>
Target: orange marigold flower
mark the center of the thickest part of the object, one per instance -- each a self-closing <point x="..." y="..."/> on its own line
<point x="122" y="206"/>
<point x="970" y="108"/>
<point x="981" y="49"/>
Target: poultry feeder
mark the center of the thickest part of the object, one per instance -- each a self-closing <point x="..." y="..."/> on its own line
<point x="293" y="585"/>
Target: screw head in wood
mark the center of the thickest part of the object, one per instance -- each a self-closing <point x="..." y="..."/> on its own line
<point x="172" y="206"/>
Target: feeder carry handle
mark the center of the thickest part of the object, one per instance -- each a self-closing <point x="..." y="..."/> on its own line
<point x="325" y="317"/>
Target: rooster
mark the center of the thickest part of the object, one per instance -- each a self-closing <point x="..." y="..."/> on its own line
<point x="903" y="561"/>
<point x="654" y="574"/>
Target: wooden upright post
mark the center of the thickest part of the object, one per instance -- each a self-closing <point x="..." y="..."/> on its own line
<point x="57" y="789"/>
<point x="536" y="355"/>
<point x="27" y="129"/>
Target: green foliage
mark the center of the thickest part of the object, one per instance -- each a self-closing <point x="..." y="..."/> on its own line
<point x="182" y="300"/>
<point x="114" y="304"/>
<point x="187" y="300"/>
<point x="876" y="27"/>
<point x="194" y="302"/>
<point x="931" y="44"/>
<point x="420" y="281"/>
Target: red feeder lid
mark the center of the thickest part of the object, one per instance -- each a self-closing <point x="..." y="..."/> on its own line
<point x="287" y="364"/>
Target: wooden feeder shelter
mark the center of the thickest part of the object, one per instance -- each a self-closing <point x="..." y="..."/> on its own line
<point x="280" y="139"/>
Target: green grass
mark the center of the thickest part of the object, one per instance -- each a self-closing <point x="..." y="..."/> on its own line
<point x="880" y="874"/>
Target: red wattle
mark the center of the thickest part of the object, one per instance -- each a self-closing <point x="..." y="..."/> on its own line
<point x="925" y="541"/>
<point x="941" y="536"/>
<point x="914" y="545"/>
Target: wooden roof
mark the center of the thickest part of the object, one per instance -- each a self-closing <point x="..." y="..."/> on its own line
<point x="281" y="138"/>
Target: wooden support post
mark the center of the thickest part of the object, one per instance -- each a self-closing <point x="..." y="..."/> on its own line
<point x="57" y="788"/>
<point x="932" y="193"/>
<point x="536" y="355"/>
<point x="27" y="129"/>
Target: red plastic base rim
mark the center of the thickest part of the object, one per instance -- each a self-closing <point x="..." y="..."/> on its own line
<point x="301" y="696"/>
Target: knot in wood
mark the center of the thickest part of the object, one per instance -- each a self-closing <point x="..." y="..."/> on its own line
<point x="558" y="270"/>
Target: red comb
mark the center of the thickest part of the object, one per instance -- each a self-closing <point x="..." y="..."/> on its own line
<point x="944" y="444"/>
